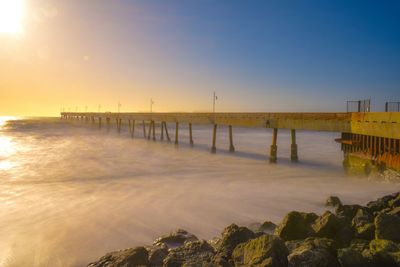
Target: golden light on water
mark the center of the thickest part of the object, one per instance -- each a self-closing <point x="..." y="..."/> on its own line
<point x="11" y="16"/>
<point x="7" y="146"/>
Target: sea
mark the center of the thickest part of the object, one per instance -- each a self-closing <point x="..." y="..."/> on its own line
<point x="71" y="192"/>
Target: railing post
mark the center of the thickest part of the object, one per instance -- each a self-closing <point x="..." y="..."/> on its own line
<point x="293" y="148"/>
<point x="231" y="147"/>
<point x="274" y="148"/>
<point x="214" y="140"/>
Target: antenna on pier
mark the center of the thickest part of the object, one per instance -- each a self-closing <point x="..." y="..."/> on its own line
<point x="151" y="105"/>
<point x="215" y="98"/>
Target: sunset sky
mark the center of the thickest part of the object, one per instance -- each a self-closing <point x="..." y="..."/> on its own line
<point x="257" y="55"/>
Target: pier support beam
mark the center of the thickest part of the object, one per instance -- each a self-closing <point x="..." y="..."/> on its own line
<point x="190" y="134"/>
<point x="99" y="122"/>
<point x="150" y="128"/>
<point x="166" y="132"/>
<point x="274" y="148"/>
<point x="214" y="140"/>
<point x="108" y="124"/>
<point x="293" y="147"/>
<point x="176" y="133"/>
<point x="153" y="123"/>
<point x="162" y="131"/>
<point x="231" y="147"/>
<point x="144" y="129"/>
<point x="133" y="128"/>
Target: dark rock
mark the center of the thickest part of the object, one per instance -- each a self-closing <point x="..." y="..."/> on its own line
<point x="395" y="211"/>
<point x="125" y="258"/>
<point x="157" y="255"/>
<point x="175" y="239"/>
<point x="296" y="225"/>
<point x="266" y="250"/>
<point x="333" y="201"/>
<point x="387" y="227"/>
<point x="232" y="236"/>
<point x="363" y="225"/>
<point x="195" y="253"/>
<point x="348" y="211"/>
<point x="326" y="225"/>
<point x="266" y="227"/>
<point x="313" y="252"/>
<point x="381" y="203"/>
<point x="395" y="202"/>
<point x="383" y="253"/>
<point x="352" y="256"/>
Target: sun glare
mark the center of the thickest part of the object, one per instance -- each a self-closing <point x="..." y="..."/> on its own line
<point x="11" y="15"/>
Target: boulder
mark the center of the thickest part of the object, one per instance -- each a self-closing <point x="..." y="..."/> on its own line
<point x="326" y="225"/>
<point x="266" y="250"/>
<point x="333" y="201"/>
<point x="395" y="211"/>
<point x="352" y="256"/>
<point x="296" y="225"/>
<point x="383" y="253"/>
<point x="157" y="255"/>
<point x="267" y="227"/>
<point x="175" y="239"/>
<point x="313" y="252"/>
<point x="348" y="211"/>
<point x="363" y="225"/>
<point x="192" y="253"/>
<point x="395" y="202"/>
<point x="381" y="203"/>
<point x="387" y="227"/>
<point x="125" y="258"/>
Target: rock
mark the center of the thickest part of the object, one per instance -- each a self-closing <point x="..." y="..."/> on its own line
<point x="175" y="239"/>
<point x="394" y="203"/>
<point x="194" y="253"/>
<point x="387" y="227"/>
<point x="296" y="225"/>
<point x="266" y="250"/>
<point x="267" y="227"/>
<point x="333" y="201"/>
<point x="232" y="236"/>
<point x="381" y="203"/>
<point x="383" y="253"/>
<point x="363" y="225"/>
<point x="395" y="211"/>
<point x="330" y="226"/>
<point x="352" y="256"/>
<point x="125" y="258"/>
<point x="157" y="255"/>
<point x="348" y="211"/>
<point x="313" y="252"/>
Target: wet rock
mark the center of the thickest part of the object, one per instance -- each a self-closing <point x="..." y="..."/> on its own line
<point x="395" y="202"/>
<point x="125" y="258"/>
<point x="157" y="255"/>
<point x="363" y="225"/>
<point x="331" y="226"/>
<point x="175" y="239"/>
<point x="313" y="252"/>
<point x="395" y="211"/>
<point x="296" y="225"/>
<point x="266" y="250"/>
<point x="387" y="227"/>
<point x="333" y="201"/>
<point x="348" y="211"/>
<point x="266" y="227"/>
<point x="381" y="203"/>
<point x="352" y="256"/>
<point x="194" y="253"/>
<point x="383" y="253"/>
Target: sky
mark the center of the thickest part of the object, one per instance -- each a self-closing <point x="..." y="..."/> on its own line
<point x="258" y="55"/>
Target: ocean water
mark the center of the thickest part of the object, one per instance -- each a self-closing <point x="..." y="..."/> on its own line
<point x="70" y="192"/>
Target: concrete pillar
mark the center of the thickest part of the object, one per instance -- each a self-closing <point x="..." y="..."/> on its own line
<point x="162" y="131"/>
<point x="176" y="133"/>
<point x="150" y="128"/>
<point x="214" y="140"/>
<point x="274" y="148"/>
<point x="99" y="122"/>
<point x="153" y="123"/>
<point x="231" y="147"/>
<point x="108" y="124"/>
<point x="144" y="129"/>
<point x="293" y="147"/>
<point x="190" y="134"/>
<point x="166" y="132"/>
<point x="133" y="128"/>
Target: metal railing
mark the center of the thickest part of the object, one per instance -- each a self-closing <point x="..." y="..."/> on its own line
<point x="392" y="106"/>
<point x="359" y="106"/>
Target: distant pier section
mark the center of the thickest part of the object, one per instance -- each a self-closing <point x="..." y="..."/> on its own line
<point x="371" y="135"/>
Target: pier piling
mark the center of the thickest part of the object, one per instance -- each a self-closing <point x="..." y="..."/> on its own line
<point x="176" y="133"/>
<point x="293" y="147"/>
<point x="274" y="147"/>
<point x="214" y="140"/>
<point x="231" y="147"/>
<point x="190" y="134"/>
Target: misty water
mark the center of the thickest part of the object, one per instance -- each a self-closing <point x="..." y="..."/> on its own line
<point x="70" y="192"/>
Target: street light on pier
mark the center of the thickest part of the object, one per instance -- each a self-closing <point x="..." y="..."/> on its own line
<point x="151" y="105"/>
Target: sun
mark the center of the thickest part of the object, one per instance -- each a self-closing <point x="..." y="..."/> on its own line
<point x="11" y="15"/>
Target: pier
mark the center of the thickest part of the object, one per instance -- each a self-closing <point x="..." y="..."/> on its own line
<point x="374" y="135"/>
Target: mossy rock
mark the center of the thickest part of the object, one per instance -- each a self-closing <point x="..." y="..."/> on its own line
<point x="313" y="252"/>
<point x="383" y="253"/>
<point x="387" y="227"/>
<point x="348" y="211"/>
<point x="175" y="239"/>
<point x="363" y="225"/>
<point x="333" y="201"/>
<point x="381" y="203"/>
<point x="266" y="250"/>
<point x="326" y="225"/>
<point x="194" y="253"/>
<point x="296" y="225"/>
<point x="395" y="202"/>
<point x="128" y="257"/>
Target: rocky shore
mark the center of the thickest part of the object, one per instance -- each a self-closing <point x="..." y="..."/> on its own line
<point x="344" y="235"/>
